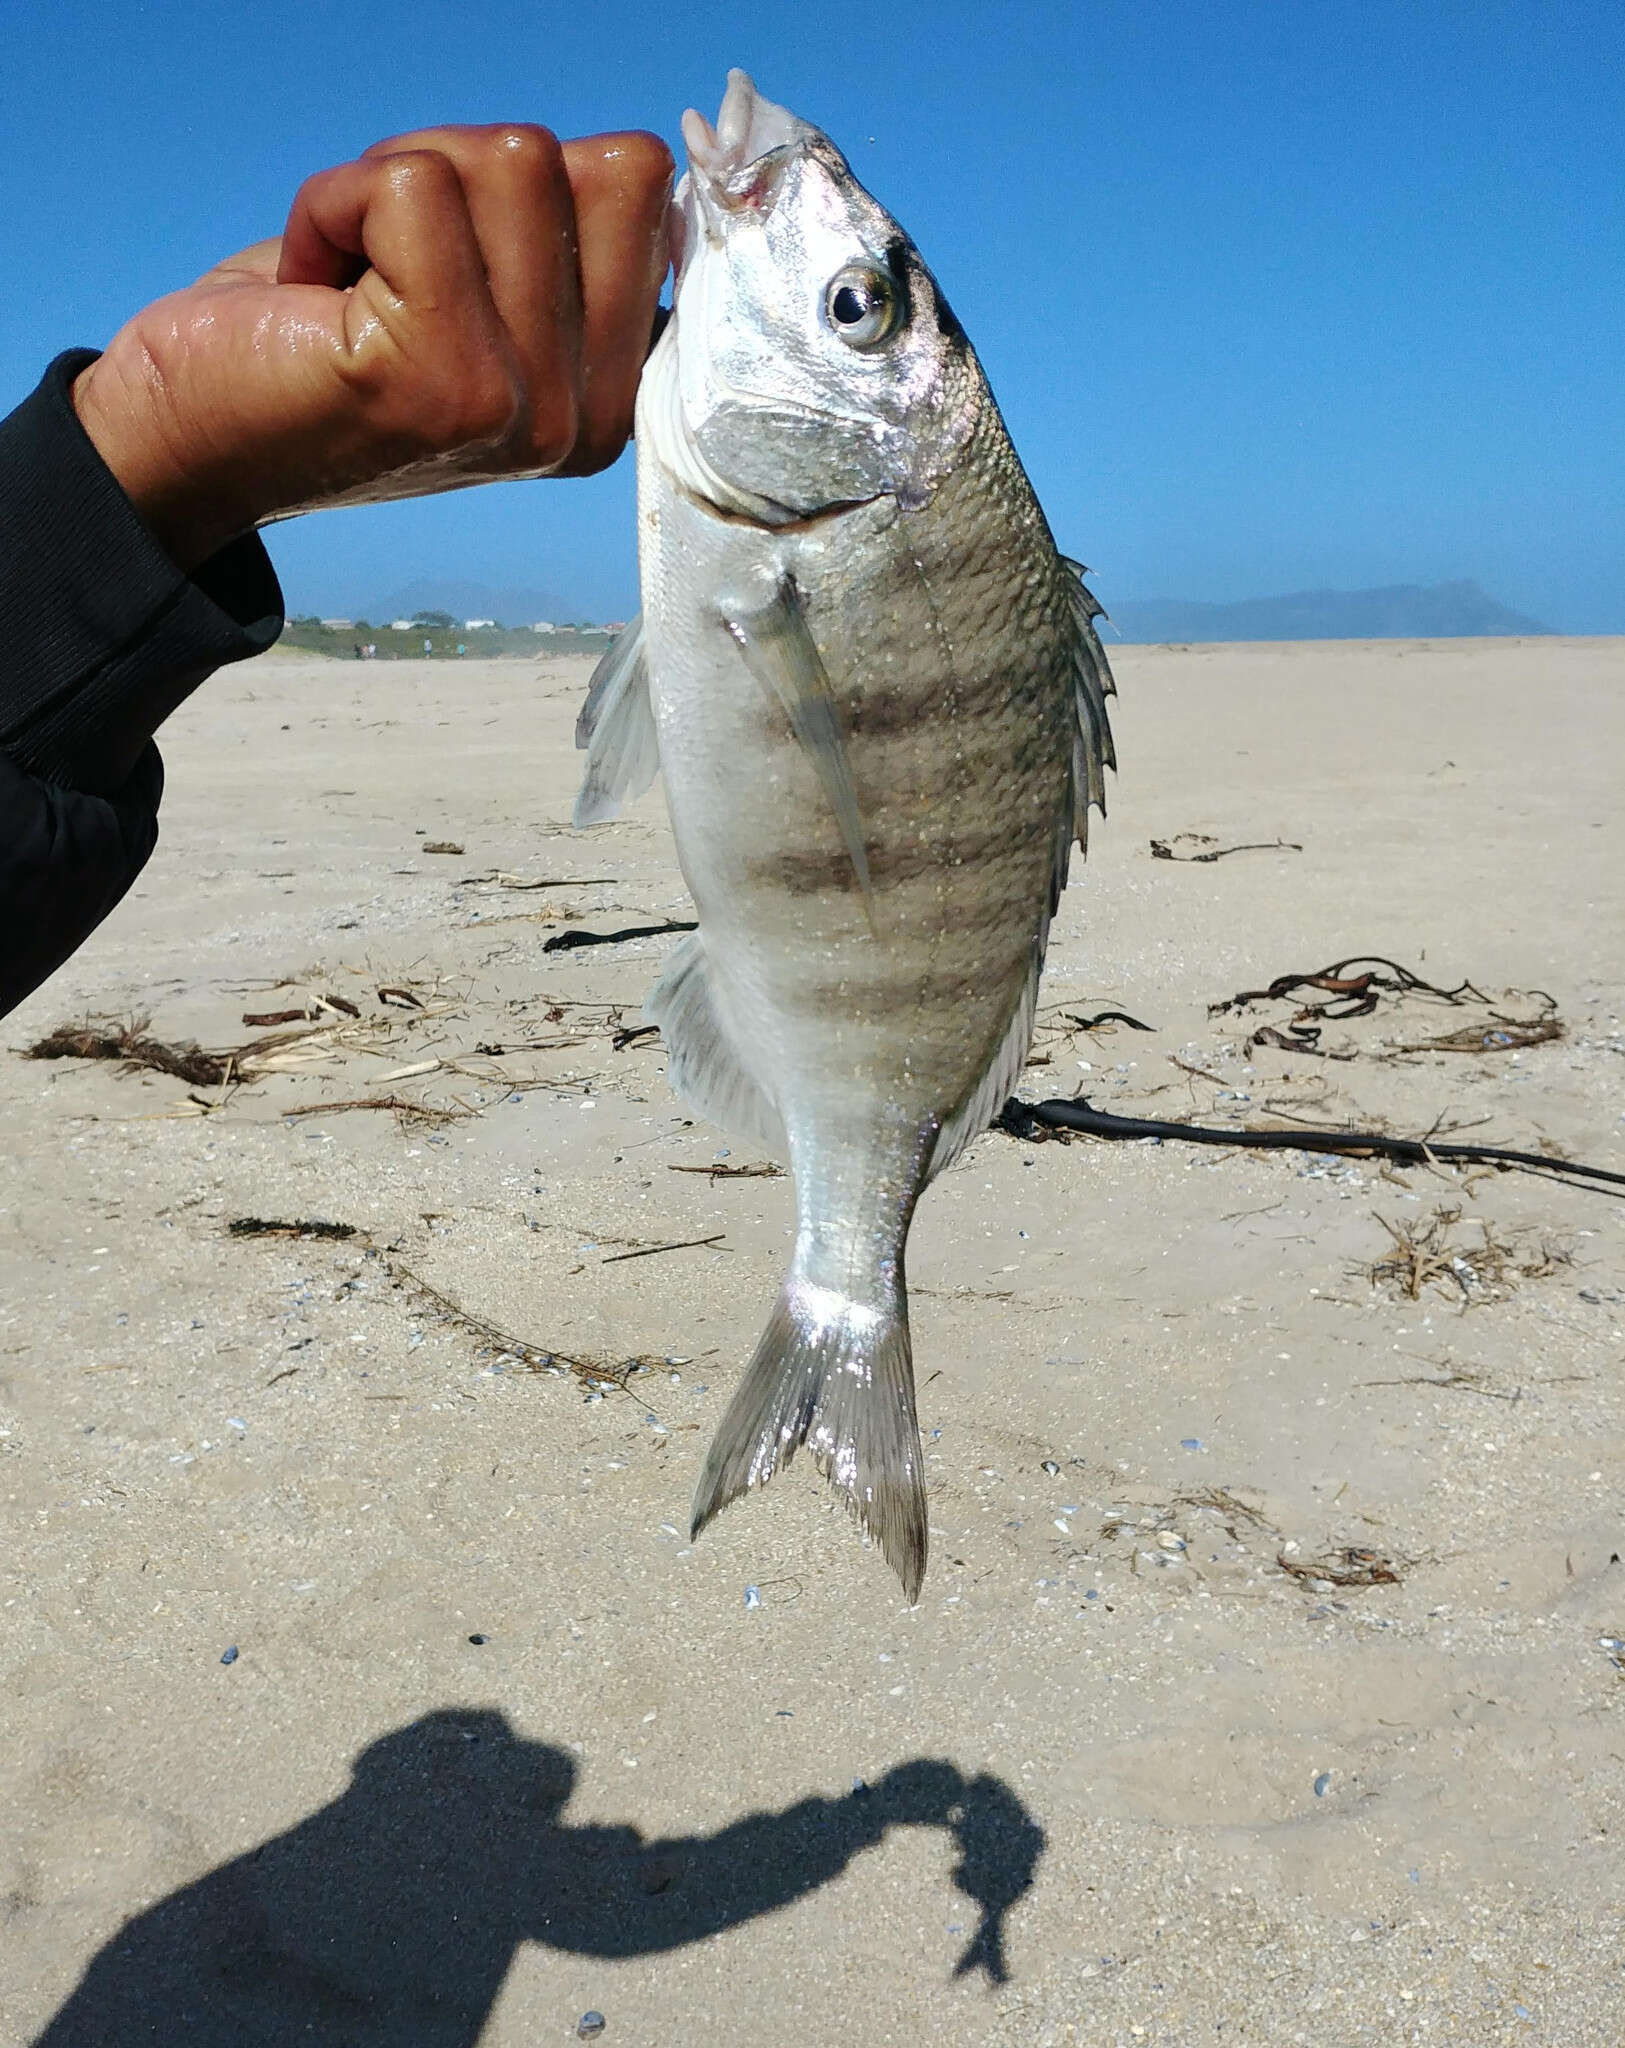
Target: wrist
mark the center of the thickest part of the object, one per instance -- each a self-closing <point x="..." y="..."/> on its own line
<point x="130" y="431"/>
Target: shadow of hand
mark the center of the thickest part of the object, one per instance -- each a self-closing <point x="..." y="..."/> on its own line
<point x="999" y="1845"/>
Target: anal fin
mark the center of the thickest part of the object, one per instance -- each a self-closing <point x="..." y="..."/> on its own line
<point x="703" y="1066"/>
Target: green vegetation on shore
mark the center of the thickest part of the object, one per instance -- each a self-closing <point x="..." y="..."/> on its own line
<point x="432" y="639"/>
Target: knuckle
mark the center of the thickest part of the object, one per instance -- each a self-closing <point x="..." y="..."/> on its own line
<point x="418" y="174"/>
<point x="647" y="157"/>
<point x="487" y="406"/>
<point x="528" y="147"/>
<point x="555" y="427"/>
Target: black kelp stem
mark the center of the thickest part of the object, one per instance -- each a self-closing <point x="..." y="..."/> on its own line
<point x="1028" y="1119"/>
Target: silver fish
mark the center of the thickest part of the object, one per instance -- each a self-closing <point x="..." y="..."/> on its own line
<point x="877" y="697"/>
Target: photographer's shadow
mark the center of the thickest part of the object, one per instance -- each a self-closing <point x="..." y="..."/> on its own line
<point x="390" y="1918"/>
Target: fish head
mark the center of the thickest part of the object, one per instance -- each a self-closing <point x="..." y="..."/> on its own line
<point x="812" y="361"/>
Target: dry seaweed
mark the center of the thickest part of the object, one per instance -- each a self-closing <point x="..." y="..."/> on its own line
<point x="631" y="1034"/>
<point x="719" y="1169"/>
<point x="599" y="1374"/>
<point x="570" y="941"/>
<point x="304" y="1226"/>
<point x="1032" y="1122"/>
<point x="1163" y="849"/>
<point x="1355" y="986"/>
<point x="130" y="1045"/>
<point x="408" y="1112"/>
<point x="1505" y="1034"/>
<point x="1427" y="1253"/>
<point x="649" y="1251"/>
<point x="1103" y="1017"/>
<point x="1346" y="1567"/>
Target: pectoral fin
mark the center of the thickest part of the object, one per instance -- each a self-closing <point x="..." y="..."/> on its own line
<point x="780" y="653"/>
<point x="616" y="730"/>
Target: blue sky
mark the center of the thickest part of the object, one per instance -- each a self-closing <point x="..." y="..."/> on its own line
<point x="1274" y="296"/>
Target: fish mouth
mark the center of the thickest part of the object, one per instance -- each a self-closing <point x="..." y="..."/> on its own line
<point x="734" y="167"/>
<point x="749" y="128"/>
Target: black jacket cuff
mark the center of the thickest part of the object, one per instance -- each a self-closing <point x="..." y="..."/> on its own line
<point x="101" y="635"/>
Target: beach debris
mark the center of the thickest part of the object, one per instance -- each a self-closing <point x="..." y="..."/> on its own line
<point x="1104" y="1019"/>
<point x="753" y="1596"/>
<point x="1427" y="1253"/>
<point x="1359" y="985"/>
<point x="570" y="941"/>
<point x="1349" y="1566"/>
<point x="479" y="1641"/>
<point x="407" y="1112"/>
<point x="719" y="1169"/>
<point x="498" y="879"/>
<point x="1505" y="1034"/>
<point x="649" y="1251"/>
<point x="1031" y="1122"/>
<point x="441" y="846"/>
<point x="1322" y="1784"/>
<point x="1163" y="849"/>
<point x="590" y="2025"/>
<point x="259" y="1019"/>
<point x="1355" y="986"/>
<point x="632" y="1034"/>
<point x="230" y="1654"/>
<point x="304" y="1226"/>
<point x="134" y="1049"/>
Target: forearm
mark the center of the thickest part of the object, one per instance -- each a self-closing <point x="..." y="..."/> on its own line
<point x="101" y="636"/>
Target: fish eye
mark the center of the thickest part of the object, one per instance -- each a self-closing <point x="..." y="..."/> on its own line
<point x="864" y="306"/>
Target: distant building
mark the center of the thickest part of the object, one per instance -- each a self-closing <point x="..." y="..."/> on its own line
<point x="476" y="625"/>
<point x="544" y="626"/>
<point x="400" y="625"/>
<point x="340" y="625"/>
<point x="613" y="626"/>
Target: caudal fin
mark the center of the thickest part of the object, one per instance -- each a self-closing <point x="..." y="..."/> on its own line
<point x="837" y="1375"/>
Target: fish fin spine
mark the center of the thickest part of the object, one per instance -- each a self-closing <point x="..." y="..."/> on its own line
<point x="1092" y="749"/>
<point x="837" y="1375"/>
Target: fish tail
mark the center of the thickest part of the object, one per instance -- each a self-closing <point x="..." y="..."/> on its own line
<point x="838" y="1375"/>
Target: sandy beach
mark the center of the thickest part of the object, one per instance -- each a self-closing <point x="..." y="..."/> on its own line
<point x="360" y="1683"/>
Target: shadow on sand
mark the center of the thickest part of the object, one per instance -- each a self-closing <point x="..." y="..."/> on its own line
<point x="389" y="1918"/>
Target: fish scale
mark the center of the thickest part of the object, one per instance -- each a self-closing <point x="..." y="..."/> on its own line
<point x="874" y="692"/>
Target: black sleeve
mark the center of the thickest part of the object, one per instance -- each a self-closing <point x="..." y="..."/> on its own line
<point x="101" y="636"/>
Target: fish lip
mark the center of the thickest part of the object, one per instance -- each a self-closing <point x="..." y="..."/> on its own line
<point x="735" y="167"/>
<point x="749" y="130"/>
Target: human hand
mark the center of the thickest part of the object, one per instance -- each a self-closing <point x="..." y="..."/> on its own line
<point x="458" y="305"/>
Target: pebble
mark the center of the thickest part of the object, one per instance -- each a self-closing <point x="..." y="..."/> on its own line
<point x="230" y="1655"/>
<point x="753" y="1596"/>
<point x="859" y="1789"/>
<point x="477" y="1640"/>
<point x="1192" y="1443"/>
<point x="1170" y="1541"/>
<point x="590" y="2025"/>
<point x="1051" y="1467"/>
<point x="1323" y="1784"/>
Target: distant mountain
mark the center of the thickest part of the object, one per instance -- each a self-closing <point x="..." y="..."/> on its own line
<point x="1402" y="611"/>
<point x="466" y="600"/>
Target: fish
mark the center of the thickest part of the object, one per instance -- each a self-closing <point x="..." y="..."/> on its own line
<point x="877" y="697"/>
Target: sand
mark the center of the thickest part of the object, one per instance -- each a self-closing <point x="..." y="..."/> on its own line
<point x="499" y="1746"/>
